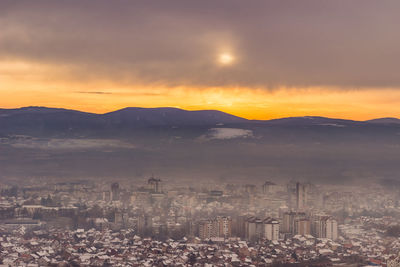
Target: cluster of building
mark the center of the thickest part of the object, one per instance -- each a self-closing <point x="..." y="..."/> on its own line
<point x="318" y="225"/>
<point x="58" y="247"/>
<point x="256" y="229"/>
<point x="296" y="222"/>
<point x="218" y="227"/>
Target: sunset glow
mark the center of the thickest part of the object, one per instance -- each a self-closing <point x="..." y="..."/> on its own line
<point x="267" y="65"/>
<point x="25" y="84"/>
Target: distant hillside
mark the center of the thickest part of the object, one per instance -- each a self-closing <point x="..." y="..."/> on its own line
<point x="385" y="121"/>
<point x="312" y="120"/>
<point x="42" y="121"/>
<point x="136" y="142"/>
<point x="169" y="116"/>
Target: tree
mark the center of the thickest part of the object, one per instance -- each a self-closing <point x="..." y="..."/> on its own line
<point x="192" y="259"/>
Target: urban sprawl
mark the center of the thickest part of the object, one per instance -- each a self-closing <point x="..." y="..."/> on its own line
<point x="155" y="222"/>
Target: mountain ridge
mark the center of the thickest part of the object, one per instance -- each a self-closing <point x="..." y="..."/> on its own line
<point x="386" y="120"/>
<point x="48" y="110"/>
<point x="38" y="141"/>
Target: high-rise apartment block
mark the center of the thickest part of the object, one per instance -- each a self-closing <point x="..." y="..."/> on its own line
<point x="219" y="227"/>
<point x="325" y="227"/>
<point x="256" y="228"/>
<point x="155" y="185"/>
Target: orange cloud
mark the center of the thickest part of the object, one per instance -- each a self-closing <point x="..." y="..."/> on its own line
<point x="25" y="84"/>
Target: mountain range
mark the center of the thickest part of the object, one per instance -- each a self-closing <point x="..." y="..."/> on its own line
<point x="174" y="143"/>
<point x="54" y="121"/>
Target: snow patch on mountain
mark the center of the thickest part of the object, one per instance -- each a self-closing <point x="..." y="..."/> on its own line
<point x="228" y="133"/>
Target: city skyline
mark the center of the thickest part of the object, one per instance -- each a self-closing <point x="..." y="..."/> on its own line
<point x="200" y="133"/>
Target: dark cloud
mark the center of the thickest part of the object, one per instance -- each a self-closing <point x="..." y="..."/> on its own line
<point x="342" y="43"/>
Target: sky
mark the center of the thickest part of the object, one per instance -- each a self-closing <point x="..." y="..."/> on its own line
<point x="257" y="59"/>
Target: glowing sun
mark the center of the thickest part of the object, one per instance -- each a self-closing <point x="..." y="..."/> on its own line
<point x="225" y="59"/>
